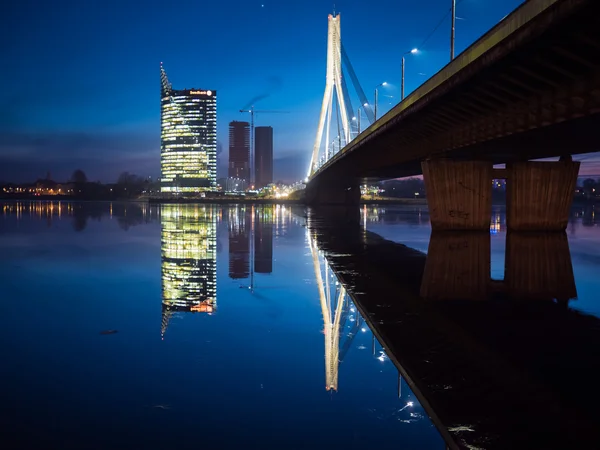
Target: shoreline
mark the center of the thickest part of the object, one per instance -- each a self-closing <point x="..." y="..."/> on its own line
<point x="249" y="200"/>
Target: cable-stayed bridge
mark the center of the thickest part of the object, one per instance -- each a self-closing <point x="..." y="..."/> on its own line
<point x="527" y="89"/>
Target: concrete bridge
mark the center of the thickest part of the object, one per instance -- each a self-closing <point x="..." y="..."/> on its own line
<point x="527" y="89"/>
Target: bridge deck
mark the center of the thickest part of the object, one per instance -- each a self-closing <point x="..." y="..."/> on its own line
<point x="529" y="88"/>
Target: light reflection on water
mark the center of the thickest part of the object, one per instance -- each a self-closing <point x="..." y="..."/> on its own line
<point x="253" y="333"/>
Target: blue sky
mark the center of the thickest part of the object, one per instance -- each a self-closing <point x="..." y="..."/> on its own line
<point x="80" y="82"/>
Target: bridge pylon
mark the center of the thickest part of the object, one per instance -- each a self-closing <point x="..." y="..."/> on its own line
<point x="333" y="83"/>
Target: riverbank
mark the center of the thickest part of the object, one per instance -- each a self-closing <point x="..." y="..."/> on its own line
<point x="421" y="201"/>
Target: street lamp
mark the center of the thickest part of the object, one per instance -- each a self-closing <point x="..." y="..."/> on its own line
<point x="358" y="116"/>
<point x="411" y="52"/>
<point x="377" y="94"/>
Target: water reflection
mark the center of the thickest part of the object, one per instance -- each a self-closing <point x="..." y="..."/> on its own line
<point x="188" y="260"/>
<point x="457" y="266"/>
<point x="80" y="213"/>
<point x="263" y="239"/>
<point x="239" y="241"/>
<point x="537" y="266"/>
<point x="334" y="306"/>
<point x="495" y="355"/>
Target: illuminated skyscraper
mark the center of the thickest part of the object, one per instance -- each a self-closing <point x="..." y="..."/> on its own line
<point x="188" y="147"/>
<point x="263" y="156"/>
<point x="239" y="150"/>
<point x="188" y="259"/>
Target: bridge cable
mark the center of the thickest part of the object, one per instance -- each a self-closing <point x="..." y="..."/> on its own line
<point x="359" y="90"/>
<point x="438" y="26"/>
<point x="337" y="113"/>
<point x="349" y="108"/>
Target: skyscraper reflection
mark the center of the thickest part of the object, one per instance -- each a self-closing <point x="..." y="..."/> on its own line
<point x="239" y="241"/>
<point x="263" y="239"/>
<point x="188" y="260"/>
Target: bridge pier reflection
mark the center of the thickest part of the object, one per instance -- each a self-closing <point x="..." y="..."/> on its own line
<point x="539" y="267"/>
<point x="458" y="266"/>
<point x="539" y="194"/>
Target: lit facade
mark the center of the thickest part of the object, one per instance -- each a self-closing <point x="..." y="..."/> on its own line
<point x="188" y="150"/>
<point x="263" y="156"/>
<point x="188" y="259"/>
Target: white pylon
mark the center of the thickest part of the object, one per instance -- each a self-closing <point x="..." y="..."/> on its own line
<point x="333" y="81"/>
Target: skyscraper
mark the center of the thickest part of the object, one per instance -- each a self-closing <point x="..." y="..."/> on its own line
<point x="263" y="156"/>
<point x="239" y="150"/>
<point x="188" y="259"/>
<point x="188" y="147"/>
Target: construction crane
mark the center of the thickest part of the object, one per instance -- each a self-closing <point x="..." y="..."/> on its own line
<point x="252" y="111"/>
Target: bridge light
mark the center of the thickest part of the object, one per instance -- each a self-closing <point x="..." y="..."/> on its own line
<point x="354" y="118"/>
<point x="384" y="83"/>
<point x="414" y="50"/>
<point x="366" y="104"/>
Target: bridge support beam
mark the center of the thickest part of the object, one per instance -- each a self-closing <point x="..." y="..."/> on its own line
<point x="459" y="194"/>
<point x="319" y="192"/>
<point x="539" y="195"/>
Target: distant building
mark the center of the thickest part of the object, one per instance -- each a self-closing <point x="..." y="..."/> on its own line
<point x="239" y="150"/>
<point x="235" y="185"/>
<point x="263" y="156"/>
<point x="188" y="149"/>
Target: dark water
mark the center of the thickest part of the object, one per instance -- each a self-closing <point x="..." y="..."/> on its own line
<point x="131" y="326"/>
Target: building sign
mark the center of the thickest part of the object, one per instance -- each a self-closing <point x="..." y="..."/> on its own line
<point x="209" y="93"/>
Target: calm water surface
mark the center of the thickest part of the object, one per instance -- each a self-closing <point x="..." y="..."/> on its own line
<point x="134" y="326"/>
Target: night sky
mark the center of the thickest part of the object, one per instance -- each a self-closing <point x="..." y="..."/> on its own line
<point x="80" y="80"/>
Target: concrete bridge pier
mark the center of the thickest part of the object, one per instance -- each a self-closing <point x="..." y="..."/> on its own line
<point x="459" y="194"/>
<point x="539" y="194"/>
<point x="538" y="198"/>
<point x="319" y="192"/>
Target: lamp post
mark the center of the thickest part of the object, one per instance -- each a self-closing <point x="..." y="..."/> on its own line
<point x="452" y="30"/>
<point x="358" y="115"/>
<point x="413" y="51"/>
<point x="376" y="96"/>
